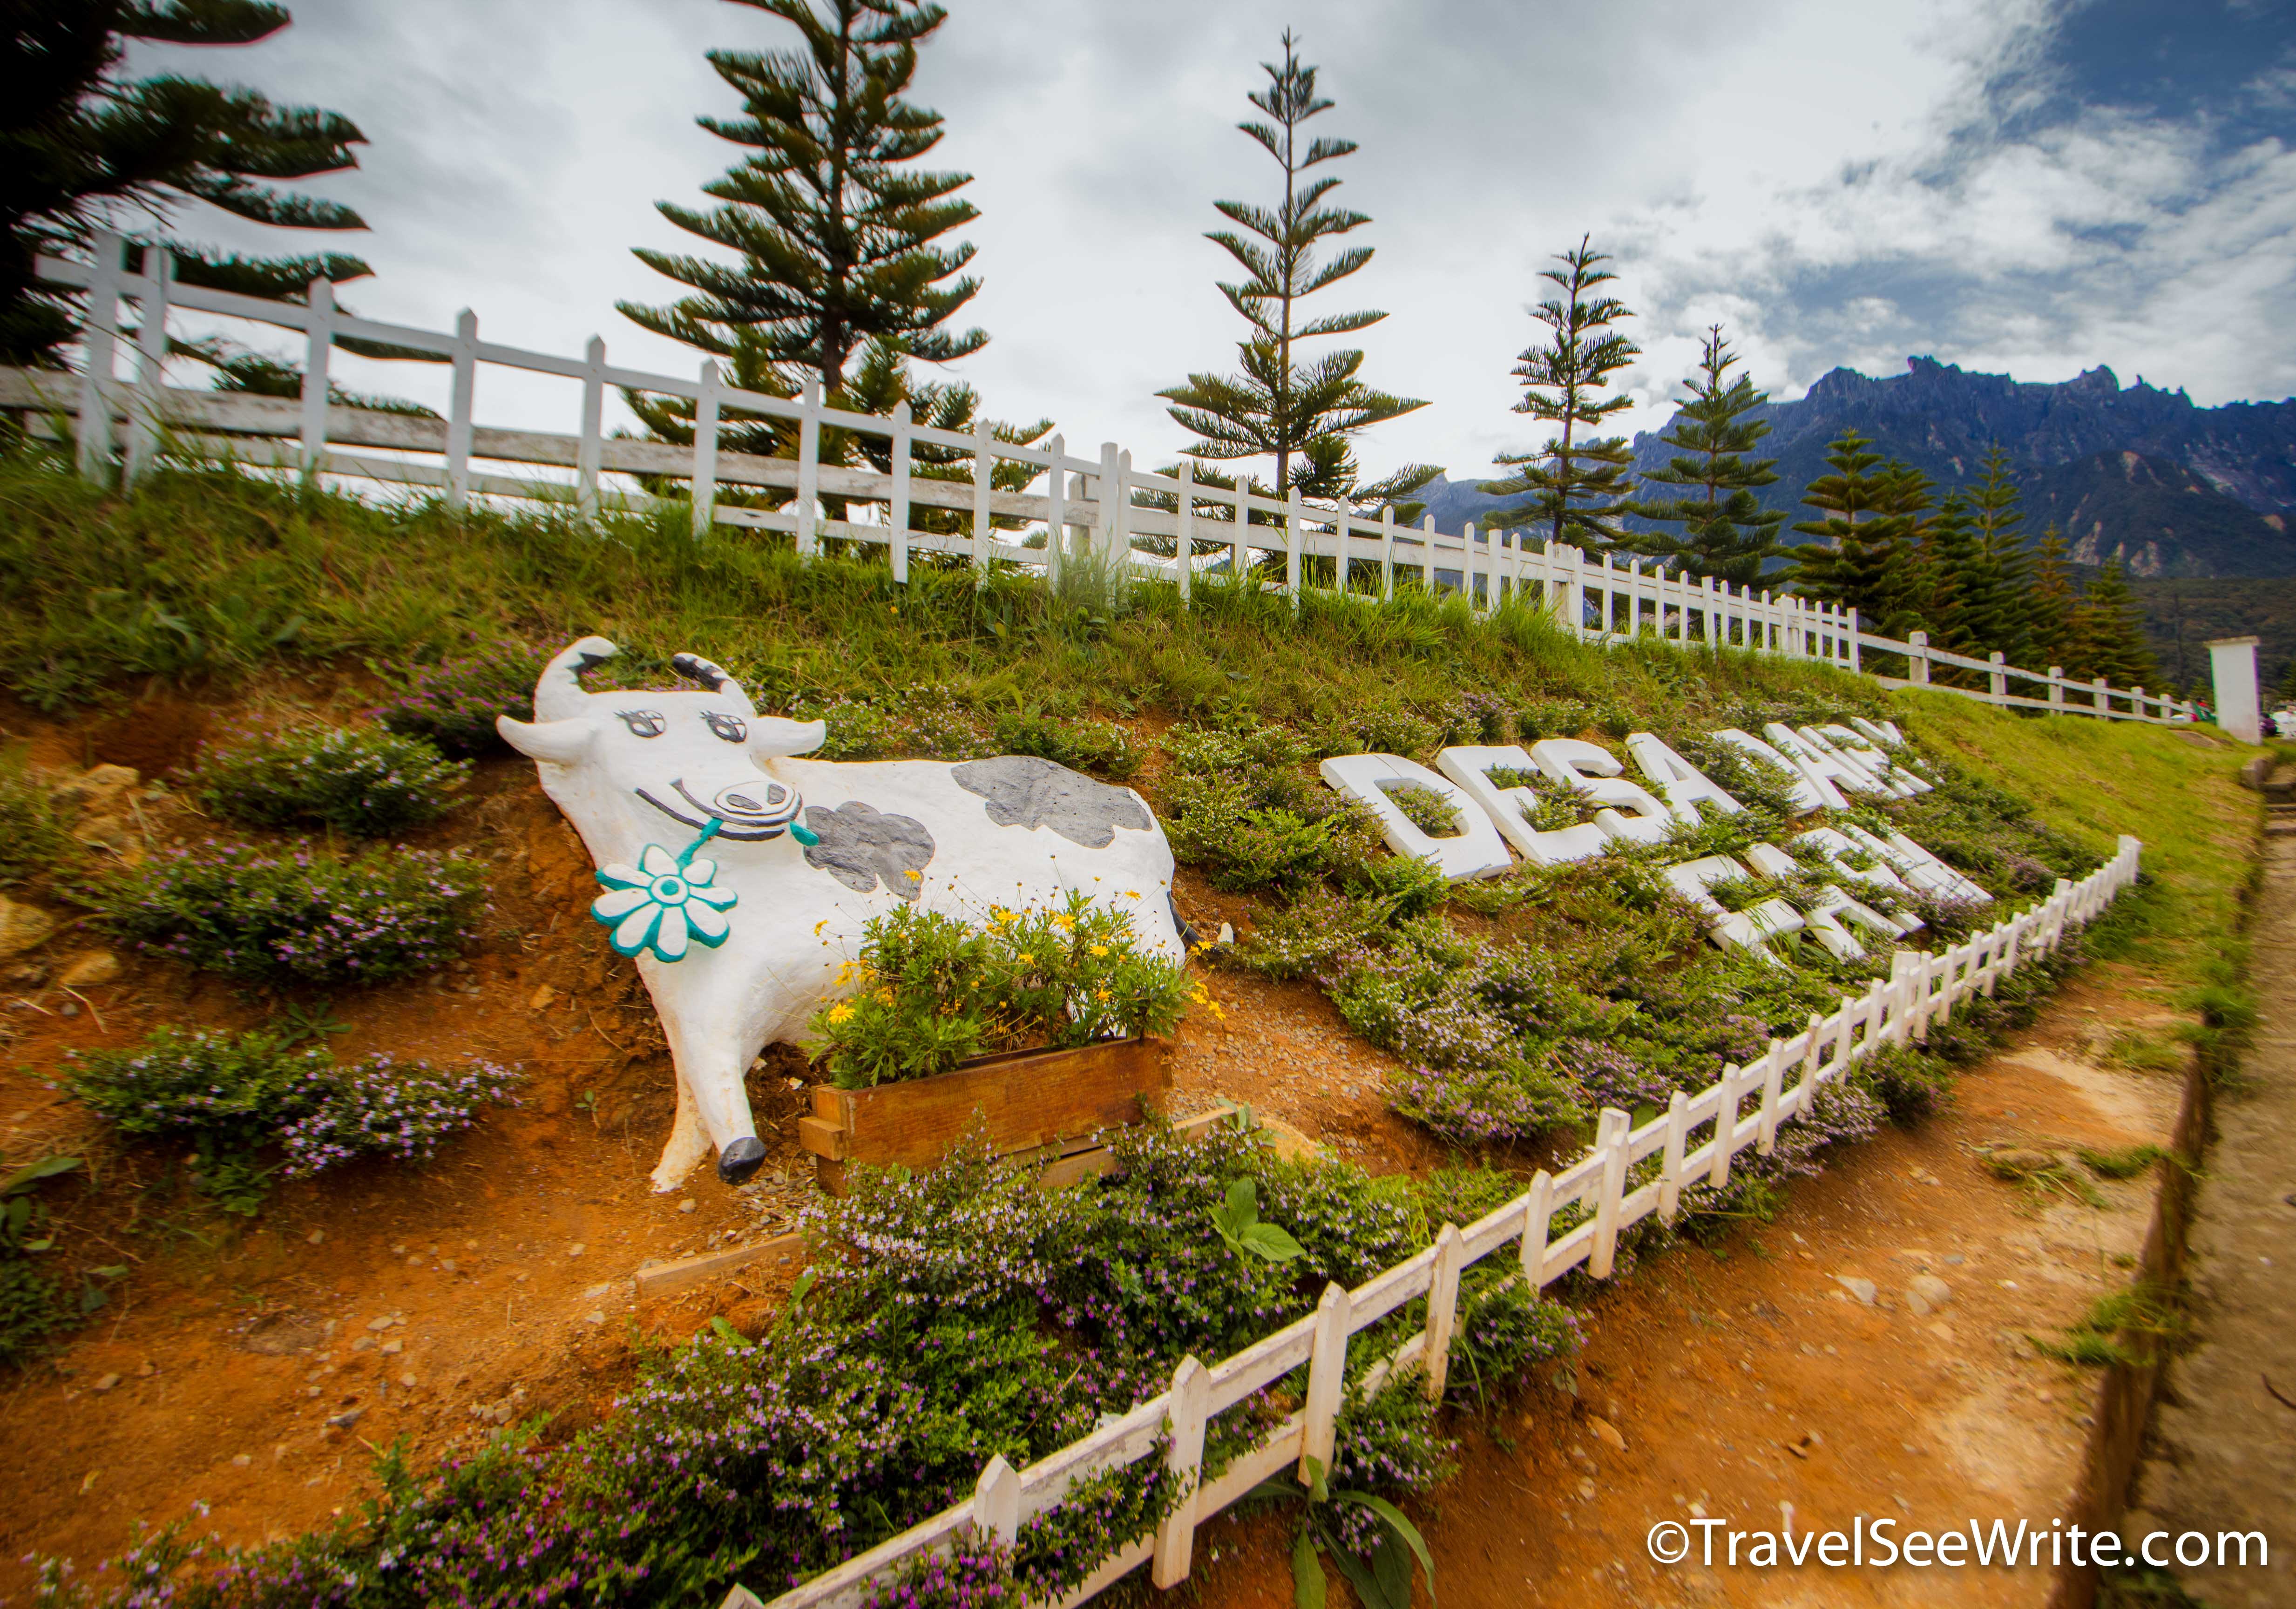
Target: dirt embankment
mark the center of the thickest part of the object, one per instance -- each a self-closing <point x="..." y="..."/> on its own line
<point x="1806" y="1371"/>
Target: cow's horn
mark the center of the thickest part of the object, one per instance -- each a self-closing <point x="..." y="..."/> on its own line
<point x="713" y="676"/>
<point x="558" y="693"/>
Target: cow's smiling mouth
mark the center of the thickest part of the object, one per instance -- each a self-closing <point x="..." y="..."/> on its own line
<point x="734" y="827"/>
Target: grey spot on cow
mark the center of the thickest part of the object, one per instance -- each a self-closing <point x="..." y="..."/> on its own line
<point x="860" y="844"/>
<point x="1025" y="792"/>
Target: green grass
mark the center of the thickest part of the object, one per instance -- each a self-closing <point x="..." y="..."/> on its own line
<point x="2093" y="780"/>
<point x="208" y="574"/>
<point x="2129" y="1326"/>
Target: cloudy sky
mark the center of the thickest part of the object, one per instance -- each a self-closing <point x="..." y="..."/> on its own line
<point x="2029" y="185"/>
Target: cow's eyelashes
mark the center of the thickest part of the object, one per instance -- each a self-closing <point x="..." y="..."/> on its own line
<point x="645" y="723"/>
<point x="733" y="728"/>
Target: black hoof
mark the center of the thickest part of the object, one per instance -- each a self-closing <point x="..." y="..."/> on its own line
<point x="738" y="1161"/>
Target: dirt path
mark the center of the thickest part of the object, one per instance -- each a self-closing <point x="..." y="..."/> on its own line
<point x="1755" y="1375"/>
<point x="2222" y="1454"/>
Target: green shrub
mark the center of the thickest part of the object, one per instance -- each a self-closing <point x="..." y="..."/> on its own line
<point x="453" y="704"/>
<point x="1424" y="808"/>
<point x="311" y="917"/>
<point x="33" y="839"/>
<point x="32" y="1310"/>
<point x="232" y="1095"/>
<point x="930" y="990"/>
<point x="1086" y="745"/>
<point x="1748" y="779"/>
<point x="1241" y="804"/>
<point x="368" y="784"/>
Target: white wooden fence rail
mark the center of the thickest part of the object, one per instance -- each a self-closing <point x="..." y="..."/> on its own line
<point x="1924" y="988"/>
<point x="1089" y="508"/>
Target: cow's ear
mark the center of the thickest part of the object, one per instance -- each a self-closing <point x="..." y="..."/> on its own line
<point x="562" y="743"/>
<point x="771" y="736"/>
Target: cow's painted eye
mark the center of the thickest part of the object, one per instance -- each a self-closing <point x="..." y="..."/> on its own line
<point x="645" y="723"/>
<point x="733" y="728"/>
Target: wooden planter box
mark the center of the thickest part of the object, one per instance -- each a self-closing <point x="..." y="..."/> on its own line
<point x="1051" y="1101"/>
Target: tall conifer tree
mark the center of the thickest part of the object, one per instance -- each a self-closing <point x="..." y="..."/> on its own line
<point x="2109" y="629"/>
<point x="2050" y="603"/>
<point x="1575" y="486"/>
<point x="1725" y="531"/>
<point x="84" y="146"/>
<point x="1852" y="555"/>
<point x="1993" y="590"/>
<point x="835" y="225"/>
<point x="1278" y="404"/>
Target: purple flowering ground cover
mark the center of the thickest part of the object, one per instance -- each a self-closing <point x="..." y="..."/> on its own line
<point x="974" y="1315"/>
<point x="300" y="916"/>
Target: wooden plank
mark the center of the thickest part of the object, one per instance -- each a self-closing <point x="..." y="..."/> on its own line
<point x="1029" y="1102"/>
<point x="669" y="1278"/>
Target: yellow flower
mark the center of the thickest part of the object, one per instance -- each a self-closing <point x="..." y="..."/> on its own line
<point x="1100" y="993"/>
<point x="840" y="1012"/>
<point x="1100" y="949"/>
<point x="915" y="876"/>
<point x="1132" y="893"/>
<point x="1026" y="959"/>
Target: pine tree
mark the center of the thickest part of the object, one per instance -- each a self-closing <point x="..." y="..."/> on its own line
<point x="2049" y="604"/>
<point x="1726" y="532"/>
<point x="1277" y="404"/>
<point x="2109" y="629"/>
<point x="83" y="146"/>
<point x="1952" y="562"/>
<point x="1853" y="556"/>
<point x="1992" y="593"/>
<point x="833" y="224"/>
<point x="1576" y="486"/>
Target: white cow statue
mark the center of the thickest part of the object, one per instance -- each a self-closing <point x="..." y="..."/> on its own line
<point x="740" y="876"/>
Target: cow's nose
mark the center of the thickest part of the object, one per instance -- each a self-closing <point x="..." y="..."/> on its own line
<point x="745" y="801"/>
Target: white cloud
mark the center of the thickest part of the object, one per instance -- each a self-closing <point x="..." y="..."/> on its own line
<point x="1838" y="185"/>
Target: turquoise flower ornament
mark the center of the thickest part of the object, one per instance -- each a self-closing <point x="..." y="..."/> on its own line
<point x="665" y="903"/>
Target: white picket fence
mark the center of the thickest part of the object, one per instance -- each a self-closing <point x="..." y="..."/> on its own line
<point x="1923" y="989"/>
<point x="1086" y="508"/>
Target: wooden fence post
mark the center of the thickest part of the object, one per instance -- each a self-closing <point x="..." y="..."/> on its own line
<point x="1344" y="531"/>
<point x="1103" y="524"/>
<point x="1327" y="1367"/>
<point x="1427" y="553"/>
<point x="897" y="511"/>
<point x="704" y="490"/>
<point x="1677" y="1138"/>
<point x="1056" y="516"/>
<point x="1184" y="546"/>
<point x="462" y="406"/>
<point x="1386" y="552"/>
<point x="99" y="331"/>
<point x="318" y="348"/>
<point x="1852" y="639"/>
<point x="1291" y="516"/>
<point x="2101" y="697"/>
<point x="144" y="423"/>
<point x="1184" y="1461"/>
<point x="1611" y="1139"/>
<point x="808" y="469"/>
<point x="996" y="1501"/>
<point x="1996" y="681"/>
<point x="588" y="452"/>
<point x="1538" y="1212"/>
<point x="2056" y="688"/>
<point x="984" y="470"/>
<point x="1239" y="561"/>
<point x="1726" y="1093"/>
<point x="1443" y="1308"/>
<point x="1120" y="527"/>
<point x="1773" y="1074"/>
<point x="1917" y="661"/>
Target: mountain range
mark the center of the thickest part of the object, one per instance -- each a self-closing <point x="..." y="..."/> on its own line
<point x="2136" y="473"/>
